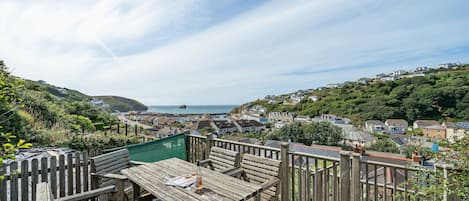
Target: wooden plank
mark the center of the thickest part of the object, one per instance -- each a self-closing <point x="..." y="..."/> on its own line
<point x="335" y="184"/>
<point x="3" y="184"/>
<point x="69" y="174"/>
<point x="25" y="180"/>
<point x="345" y="175"/>
<point x="44" y="169"/>
<point x="34" y="177"/>
<point x="375" y="192"/>
<point x="43" y="192"/>
<point x="14" y="181"/>
<point x="53" y="176"/>
<point x="293" y="171"/>
<point x="62" y="175"/>
<point x="77" y="172"/>
<point x="85" y="172"/>
<point x="89" y="194"/>
<point x="300" y="178"/>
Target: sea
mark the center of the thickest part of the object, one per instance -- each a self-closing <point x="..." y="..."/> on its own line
<point x="191" y="109"/>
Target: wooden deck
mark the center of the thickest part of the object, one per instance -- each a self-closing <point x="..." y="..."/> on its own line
<point x="304" y="177"/>
<point x="217" y="186"/>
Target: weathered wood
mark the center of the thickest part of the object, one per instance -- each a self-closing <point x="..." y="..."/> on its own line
<point x="43" y="192"/>
<point x="77" y="172"/>
<point x="14" y="181"/>
<point x="24" y="180"/>
<point x="3" y="184"/>
<point x="152" y="177"/>
<point x="85" y="172"/>
<point x="285" y="192"/>
<point x="355" y="180"/>
<point x="221" y="159"/>
<point x="345" y="175"/>
<point x="62" y="175"/>
<point x="44" y="169"/>
<point x="69" y="174"/>
<point x="34" y="177"/>
<point x="53" y="176"/>
<point x="89" y="194"/>
<point x="255" y="173"/>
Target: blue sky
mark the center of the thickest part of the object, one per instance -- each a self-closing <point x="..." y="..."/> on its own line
<point x="227" y="51"/>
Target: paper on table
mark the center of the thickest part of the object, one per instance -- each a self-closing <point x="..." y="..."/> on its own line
<point x="181" y="181"/>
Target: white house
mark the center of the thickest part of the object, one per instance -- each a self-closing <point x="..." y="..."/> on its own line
<point x="314" y="98"/>
<point x="375" y="126"/>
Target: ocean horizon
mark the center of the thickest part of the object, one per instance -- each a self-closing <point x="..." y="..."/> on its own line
<point x="191" y="109"/>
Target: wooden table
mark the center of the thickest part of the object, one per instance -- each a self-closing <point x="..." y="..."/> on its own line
<point x="217" y="186"/>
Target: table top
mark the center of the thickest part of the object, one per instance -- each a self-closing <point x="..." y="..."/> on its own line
<point x="217" y="186"/>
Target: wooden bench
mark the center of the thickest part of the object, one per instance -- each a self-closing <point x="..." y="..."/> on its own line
<point x="221" y="160"/>
<point x="106" y="168"/>
<point x="262" y="171"/>
<point x="44" y="193"/>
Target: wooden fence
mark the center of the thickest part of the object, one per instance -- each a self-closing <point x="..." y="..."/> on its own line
<point x="319" y="178"/>
<point x="67" y="175"/>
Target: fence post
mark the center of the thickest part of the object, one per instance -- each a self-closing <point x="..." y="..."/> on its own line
<point x="345" y="175"/>
<point x="126" y="129"/>
<point x="285" y="191"/>
<point x="188" y="147"/>
<point x="209" y="145"/>
<point x="355" y="186"/>
<point x="118" y="128"/>
<point x="136" y="130"/>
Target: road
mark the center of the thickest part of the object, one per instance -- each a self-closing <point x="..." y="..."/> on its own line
<point x="122" y="118"/>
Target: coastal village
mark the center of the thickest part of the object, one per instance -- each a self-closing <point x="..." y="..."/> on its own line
<point x="250" y="122"/>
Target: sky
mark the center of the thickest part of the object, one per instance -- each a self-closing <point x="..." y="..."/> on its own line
<point x="171" y="52"/>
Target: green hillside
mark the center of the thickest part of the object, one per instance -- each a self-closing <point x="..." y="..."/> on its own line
<point x="441" y="95"/>
<point x="45" y="114"/>
<point x="122" y="104"/>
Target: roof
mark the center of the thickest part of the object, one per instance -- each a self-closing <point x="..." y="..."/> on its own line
<point x="434" y="127"/>
<point x="249" y="123"/>
<point x="425" y="123"/>
<point x="396" y="121"/>
<point x="400" y="139"/>
<point x="203" y="124"/>
<point x="224" y="124"/>
<point x="464" y="125"/>
<point x="375" y="122"/>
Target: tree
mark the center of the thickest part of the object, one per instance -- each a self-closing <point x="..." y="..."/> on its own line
<point x="384" y="145"/>
<point x="323" y="133"/>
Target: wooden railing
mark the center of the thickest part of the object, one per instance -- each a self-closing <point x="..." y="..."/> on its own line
<point x="316" y="177"/>
<point x="67" y="175"/>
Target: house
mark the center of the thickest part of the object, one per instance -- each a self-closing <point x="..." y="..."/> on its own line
<point x="434" y="131"/>
<point x="354" y="137"/>
<point x="375" y="126"/>
<point x="425" y="123"/>
<point x="365" y="80"/>
<point x="314" y="98"/>
<point x="447" y="65"/>
<point x="396" y="126"/>
<point x="331" y="86"/>
<point x="398" y="73"/>
<point x="281" y="116"/>
<point x="223" y="127"/>
<point x="63" y="91"/>
<point x="249" y="126"/>
<point x="422" y="69"/>
<point x="455" y="131"/>
<point x="302" y="118"/>
<point x="400" y="139"/>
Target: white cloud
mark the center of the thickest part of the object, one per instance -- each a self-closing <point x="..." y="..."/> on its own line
<point x="276" y="47"/>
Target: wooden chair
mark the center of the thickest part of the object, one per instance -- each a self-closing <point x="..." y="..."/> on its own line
<point x="44" y="193"/>
<point x="105" y="170"/>
<point x="262" y="171"/>
<point x="221" y="160"/>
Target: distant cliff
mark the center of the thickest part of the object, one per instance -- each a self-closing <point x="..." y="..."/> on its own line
<point x="122" y="104"/>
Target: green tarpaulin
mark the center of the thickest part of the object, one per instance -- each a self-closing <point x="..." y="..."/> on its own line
<point x="170" y="147"/>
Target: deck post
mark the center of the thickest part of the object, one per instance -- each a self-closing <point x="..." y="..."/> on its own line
<point x="209" y="145"/>
<point x="285" y="191"/>
<point x="188" y="147"/>
<point x="355" y="186"/>
<point x="345" y="175"/>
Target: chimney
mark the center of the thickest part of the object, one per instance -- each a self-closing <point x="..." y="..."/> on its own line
<point x="416" y="158"/>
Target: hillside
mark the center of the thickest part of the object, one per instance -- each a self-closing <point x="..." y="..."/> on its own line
<point x="441" y="95"/>
<point x="122" y="104"/>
